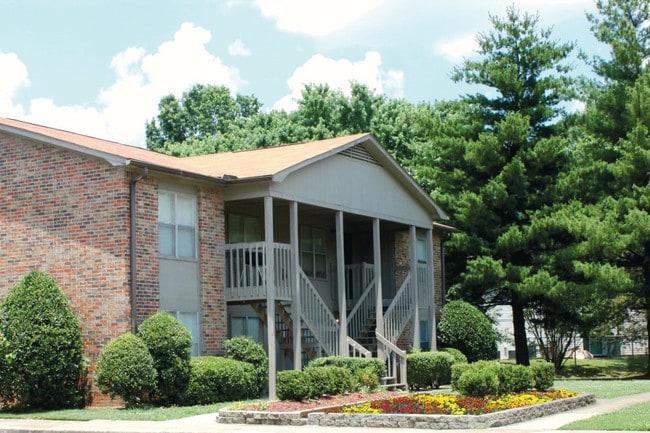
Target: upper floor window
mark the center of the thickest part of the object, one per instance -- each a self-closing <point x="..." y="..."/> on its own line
<point x="313" y="255"/>
<point x="177" y="225"/>
<point x="242" y="228"/>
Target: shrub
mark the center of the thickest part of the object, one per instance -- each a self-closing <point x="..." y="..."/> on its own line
<point x="246" y="350"/>
<point x="514" y="378"/>
<point x="216" y="379"/>
<point x="292" y="385"/>
<point x="459" y="358"/>
<point x="125" y="369"/>
<point x="464" y="327"/>
<point x="426" y="370"/>
<point x="456" y="371"/>
<point x="352" y="364"/>
<point x="43" y="358"/>
<point x="365" y="379"/>
<point x="478" y="382"/>
<point x="170" y="344"/>
<point x="543" y="375"/>
<point x="328" y="380"/>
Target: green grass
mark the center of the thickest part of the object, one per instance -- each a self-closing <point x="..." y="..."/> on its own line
<point x="635" y="417"/>
<point x="601" y="368"/>
<point x="604" y="388"/>
<point x="153" y="414"/>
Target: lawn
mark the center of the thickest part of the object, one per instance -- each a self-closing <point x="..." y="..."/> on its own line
<point x="635" y="417"/>
<point x="604" y="368"/>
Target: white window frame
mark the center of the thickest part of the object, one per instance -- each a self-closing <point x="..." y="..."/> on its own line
<point x="312" y="231"/>
<point x="247" y="320"/>
<point x="176" y="226"/>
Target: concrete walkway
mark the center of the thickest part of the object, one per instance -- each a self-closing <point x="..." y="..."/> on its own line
<point x="207" y="423"/>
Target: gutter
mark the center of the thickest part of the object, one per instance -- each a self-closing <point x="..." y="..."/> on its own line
<point x="133" y="242"/>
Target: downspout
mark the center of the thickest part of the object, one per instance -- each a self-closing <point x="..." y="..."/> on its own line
<point x="133" y="239"/>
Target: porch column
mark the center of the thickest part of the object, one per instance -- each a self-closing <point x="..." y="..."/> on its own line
<point x="340" y="281"/>
<point x="270" y="292"/>
<point x="415" y="319"/>
<point x="432" y="297"/>
<point x="379" y="302"/>
<point x="295" y="283"/>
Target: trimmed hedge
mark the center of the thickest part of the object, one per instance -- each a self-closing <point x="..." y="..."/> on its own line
<point x="429" y="370"/>
<point x="328" y="380"/>
<point x="216" y="379"/>
<point x="491" y="377"/>
<point x="125" y="369"/>
<point x="457" y="354"/>
<point x="170" y="345"/>
<point x="247" y="350"/>
<point x="43" y="366"/>
<point x="352" y="364"/>
<point x="292" y="385"/>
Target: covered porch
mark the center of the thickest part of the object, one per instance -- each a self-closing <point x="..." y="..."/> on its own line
<point x="346" y="284"/>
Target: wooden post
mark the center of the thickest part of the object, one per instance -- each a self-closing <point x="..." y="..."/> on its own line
<point x="415" y="318"/>
<point x="432" y="297"/>
<point x="379" y="302"/>
<point x="295" y="283"/>
<point x="340" y="280"/>
<point x="270" y="293"/>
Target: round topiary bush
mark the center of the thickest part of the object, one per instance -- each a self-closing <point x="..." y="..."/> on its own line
<point x="464" y="327"/>
<point x="247" y="350"/>
<point x="125" y="369"/>
<point x="216" y="379"/>
<point x="169" y="343"/>
<point x="43" y="358"/>
<point x="292" y="385"/>
<point x="428" y="370"/>
<point x="457" y="354"/>
<point x="328" y="380"/>
<point x="478" y="382"/>
<point x="543" y="375"/>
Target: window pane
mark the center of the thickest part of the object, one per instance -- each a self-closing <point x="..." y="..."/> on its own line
<point x="307" y="263"/>
<point x="421" y="251"/>
<point x="185" y="211"/>
<point x="191" y="322"/>
<point x="306" y="243"/>
<point x="166" y="245"/>
<point x="319" y="241"/>
<point x="253" y="328"/>
<point x="237" y="327"/>
<point x="186" y="242"/>
<point x="235" y="229"/>
<point x="321" y="266"/>
<point x="253" y="229"/>
<point x="166" y="207"/>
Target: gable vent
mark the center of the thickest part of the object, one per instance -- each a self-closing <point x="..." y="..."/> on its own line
<point x="360" y="153"/>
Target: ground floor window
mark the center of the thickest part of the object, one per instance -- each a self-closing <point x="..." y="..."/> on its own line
<point x="191" y="321"/>
<point x="245" y="326"/>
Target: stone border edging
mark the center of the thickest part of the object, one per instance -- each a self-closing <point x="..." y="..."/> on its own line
<point x="440" y="422"/>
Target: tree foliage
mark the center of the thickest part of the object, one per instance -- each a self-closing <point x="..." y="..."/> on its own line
<point x="464" y="327"/>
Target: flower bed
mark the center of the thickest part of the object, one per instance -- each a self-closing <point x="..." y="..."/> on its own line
<point x="446" y="404"/>
<point x="536" y="407"/>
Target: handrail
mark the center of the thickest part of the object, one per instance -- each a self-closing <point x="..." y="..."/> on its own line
<point x="362" y="312"/>
<point x="357" y="350"/>
<point x="395" y="360"/>
<point x="318" y="318"/>
<point x="399" y="311"/>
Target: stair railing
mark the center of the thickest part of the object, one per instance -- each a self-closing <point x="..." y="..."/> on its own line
<point x="363" y="311"/>
<point x="318" y="318"/>
<point x="356" y="350"/>
<point x="395" y="362"/>
<point x="399" y="312"/>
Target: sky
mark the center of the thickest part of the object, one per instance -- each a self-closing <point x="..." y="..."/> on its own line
<point x="100" y="67"/>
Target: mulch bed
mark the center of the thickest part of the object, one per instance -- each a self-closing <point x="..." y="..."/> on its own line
<point x="326" y="401"/>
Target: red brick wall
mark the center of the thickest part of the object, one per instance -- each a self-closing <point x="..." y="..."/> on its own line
<point x="147" y="275"/>
<point x="211" y="218"/>
<point x="68" y="215"/>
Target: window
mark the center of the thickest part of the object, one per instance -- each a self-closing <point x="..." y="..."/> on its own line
<point x="421" y="250"/>
<point x="245" y="326"/>
<point x="243" y="228"/>
<point x="313" y="257"/>
<point x="191" y="321"/>
<point x="177" y="225"/>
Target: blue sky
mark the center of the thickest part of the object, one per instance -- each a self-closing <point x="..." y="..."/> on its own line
<point x="100" y="67"/>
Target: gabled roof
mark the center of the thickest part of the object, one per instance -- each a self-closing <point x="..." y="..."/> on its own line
<point x="268" y="164"/>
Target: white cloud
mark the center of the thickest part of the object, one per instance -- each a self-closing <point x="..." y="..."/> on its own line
<point x="121" y="110"/>
<point x="455" y="50"/>
<point x="316" y="17"/>
<point x="338" y="74"/>
<point x="237" y="48"/>
<point x="14" y="77"/>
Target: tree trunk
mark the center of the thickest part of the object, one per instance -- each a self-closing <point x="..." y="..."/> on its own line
<point x="519" y="327"/>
